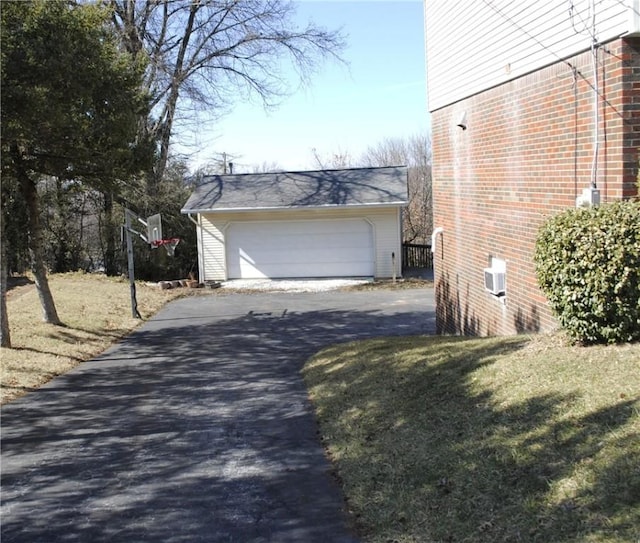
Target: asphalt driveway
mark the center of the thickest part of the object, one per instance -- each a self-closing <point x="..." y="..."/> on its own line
<point x="196" y="427"/>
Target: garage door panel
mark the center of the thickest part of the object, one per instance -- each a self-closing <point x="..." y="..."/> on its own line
<point x="249" y="271"/>
<point x="300" y="249"/>
<point x="301" y="242"/>
<point x="310" y="252"/>
<point x="318" y="259"/>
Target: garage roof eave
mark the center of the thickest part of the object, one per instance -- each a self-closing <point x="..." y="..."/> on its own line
<point x="186" y="211"/>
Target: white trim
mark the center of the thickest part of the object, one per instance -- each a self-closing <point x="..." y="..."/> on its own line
<point x="374" y="241"/>
<point x="225" y="260"/>
<point x="634" y="18"/>
<point x="260" y="225"/>
<point x="294" y="208"/>
<point x="399" y="242"/>
<point x="200" y="240"/>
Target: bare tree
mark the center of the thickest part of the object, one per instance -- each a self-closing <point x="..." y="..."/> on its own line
<point x="267" y="167"/>
<point x="414" y="152"/>
<point x="208" y="54"/>
<point x="337" y="160"/>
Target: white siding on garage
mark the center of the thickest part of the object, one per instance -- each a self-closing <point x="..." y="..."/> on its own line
<point x="384" y="222"/>
<point x="474" y="46"/>
<point x="388" y="243"/>
<point x="212" y="249"/>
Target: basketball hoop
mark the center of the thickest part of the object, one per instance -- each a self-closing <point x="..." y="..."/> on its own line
<point x="169" y="244"/>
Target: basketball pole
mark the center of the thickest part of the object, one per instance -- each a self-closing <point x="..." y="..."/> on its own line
<point x="153" y="225"/>
<point x="132" y="280"/>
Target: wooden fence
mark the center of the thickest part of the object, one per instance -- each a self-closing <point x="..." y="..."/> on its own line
<point x="416" y="256"/>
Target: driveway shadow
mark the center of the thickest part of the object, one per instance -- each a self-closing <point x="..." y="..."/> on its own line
<point x="196" y="427"/>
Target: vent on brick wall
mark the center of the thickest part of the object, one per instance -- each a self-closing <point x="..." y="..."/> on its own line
<point x="494" y="281"/>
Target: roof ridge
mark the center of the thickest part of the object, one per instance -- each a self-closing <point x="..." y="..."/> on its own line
<point x="304" y="171"/>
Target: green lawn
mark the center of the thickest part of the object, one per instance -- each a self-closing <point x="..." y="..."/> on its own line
<point x="450" y="439"/>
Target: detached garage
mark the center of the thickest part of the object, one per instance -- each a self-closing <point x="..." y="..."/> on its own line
<point x="328" y="223"/>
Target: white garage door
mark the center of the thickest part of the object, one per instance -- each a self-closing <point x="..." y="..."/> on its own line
<point x="338" y="248"/>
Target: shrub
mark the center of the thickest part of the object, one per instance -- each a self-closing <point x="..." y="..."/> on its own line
<point x="588" y="265"/>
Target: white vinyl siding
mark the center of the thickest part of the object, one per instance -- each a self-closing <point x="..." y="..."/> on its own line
<point x="212" y="249"/>
<point x="474" y="46"/>
<point x="388" y="241"/>
<point x="385" y="227"/>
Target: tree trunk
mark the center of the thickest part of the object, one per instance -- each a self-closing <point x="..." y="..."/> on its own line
<point x="77" y="255"/>
<point x="110" y="265"/>
<point x="36" y="244"/>
<point x="165" y="128"/>
<point x="5" y="336"/>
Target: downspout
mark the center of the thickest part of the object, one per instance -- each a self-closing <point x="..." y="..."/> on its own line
<point x="591" y="195"/>
<point x="434" y="237"/>
<point x="596" y="99"/>
<point x="437" y="231"/>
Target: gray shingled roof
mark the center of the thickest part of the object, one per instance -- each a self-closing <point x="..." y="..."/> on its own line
<point x="283" y="190"/>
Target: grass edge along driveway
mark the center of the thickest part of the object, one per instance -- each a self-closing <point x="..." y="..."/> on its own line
<point x="95" y="311"/>
<point x="442" y="439"/>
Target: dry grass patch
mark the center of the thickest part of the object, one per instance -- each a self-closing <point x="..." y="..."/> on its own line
<point x="390" y="284"/>
<point x="95" y="310"/>
<point x="443" y="439"/>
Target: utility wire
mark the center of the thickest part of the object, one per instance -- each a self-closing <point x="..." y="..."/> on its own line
<point x="594" y="54"/>
<point x="507" y="18"/>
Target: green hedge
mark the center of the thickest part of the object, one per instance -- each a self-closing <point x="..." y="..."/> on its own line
<point x="588" y="265"/>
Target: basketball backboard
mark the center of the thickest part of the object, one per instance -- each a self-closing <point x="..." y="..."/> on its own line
<point x="154" y="228"/>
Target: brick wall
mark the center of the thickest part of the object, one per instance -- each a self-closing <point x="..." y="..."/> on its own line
<point x="527" y="153"/>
